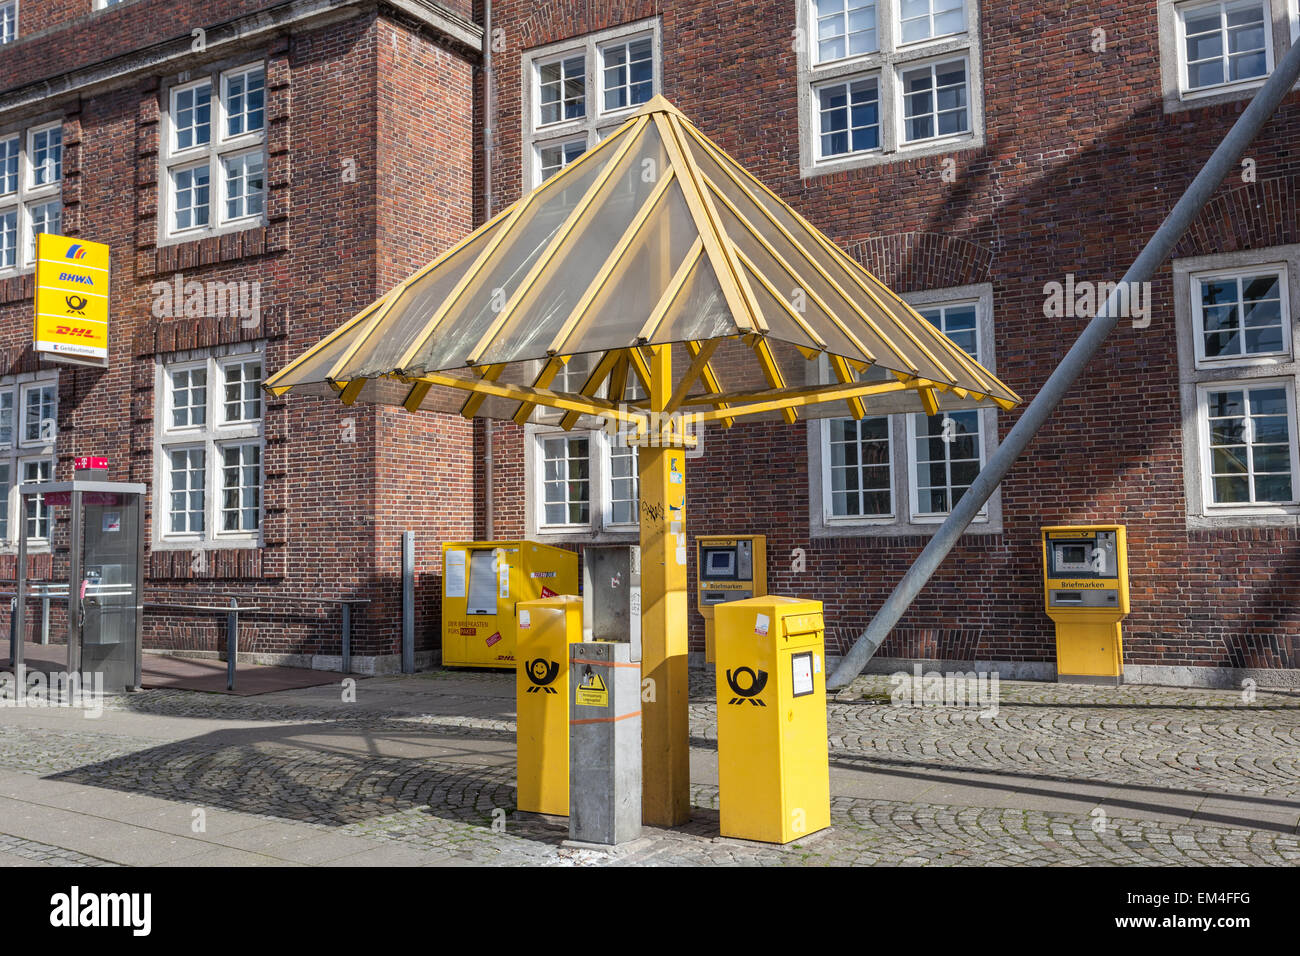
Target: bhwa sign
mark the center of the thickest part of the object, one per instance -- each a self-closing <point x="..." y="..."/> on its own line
<point x="72" y="300"/>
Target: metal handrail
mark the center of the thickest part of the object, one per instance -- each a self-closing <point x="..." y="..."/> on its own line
<point x="45" y="592"/>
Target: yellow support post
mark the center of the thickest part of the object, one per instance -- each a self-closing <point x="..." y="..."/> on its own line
<point x="665" y="733"/>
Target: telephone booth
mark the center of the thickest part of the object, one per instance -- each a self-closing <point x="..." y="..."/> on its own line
<point x="105" y="560"/>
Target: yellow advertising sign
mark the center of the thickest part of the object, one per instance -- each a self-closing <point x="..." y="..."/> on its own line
<point x="72" y="299"/>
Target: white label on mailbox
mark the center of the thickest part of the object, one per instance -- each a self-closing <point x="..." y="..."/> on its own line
<point x="803" y="675"/>
<point x="503" y="578"/>
<point x="454" y="573"/>
<point x="760" y="625"/>
<point x="524" y="619"/>
<point x="681" y="554"/>
<point x="817" y="663"/>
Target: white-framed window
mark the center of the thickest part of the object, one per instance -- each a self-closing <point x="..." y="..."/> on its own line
<point x="1249" y="442"/>
<point x="214" y="153"/>
<point x="857" y="478"/>
<point x="1236" y="325"/>
<point x="845" y="28"/>
<point x="209" y="448"/>
<point x="1218" y="51"/>
<point x="927" y="19"/>
<point x="577" y="92"/>
<point x="29" y="411"/>
<point x="848" y="116"/>
<point x="903" y="473"/>
<point x="31" y="192"/>
<point x="886" y="79"/>
<point x="1224" y="43"/>
<point x="105" y="4"/>
<point x="936" y="100"/>
<point x="1241" y="314"/>
<point x="8" y="22"/>
<point x="581" y="483"/>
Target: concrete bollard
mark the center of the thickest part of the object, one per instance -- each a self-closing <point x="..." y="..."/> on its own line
<point x="604" y="744"/>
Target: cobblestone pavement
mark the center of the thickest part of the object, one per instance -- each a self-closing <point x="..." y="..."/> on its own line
<point x="1058" y="775"/>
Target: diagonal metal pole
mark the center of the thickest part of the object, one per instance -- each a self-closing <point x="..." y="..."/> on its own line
<point x="1059" y="383"/>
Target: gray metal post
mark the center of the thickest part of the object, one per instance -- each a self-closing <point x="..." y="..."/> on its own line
<point x="604" y="743"/>
<point x="75" y="559"/>
<point x="1059" y="383"/>
<point x="45" y="615"/>
<point x="408" y="602"/>
<point x="19" y="630"/>
<point x="13" y="623"/>
<point x="232" y="644"/>
<point x="347" y="638"/>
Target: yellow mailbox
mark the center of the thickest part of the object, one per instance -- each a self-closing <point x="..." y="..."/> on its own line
<point x="481" y="583"/>
<point x="1085" y="573"/>
<point x="773" y="766"/>
<point x="727" y="569"/>
<point x="545" y="629"/>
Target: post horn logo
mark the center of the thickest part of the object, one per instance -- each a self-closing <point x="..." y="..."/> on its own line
<point x="76" y="304"/>
<point x="754" y="685"/>
<point x="542" y="673"/>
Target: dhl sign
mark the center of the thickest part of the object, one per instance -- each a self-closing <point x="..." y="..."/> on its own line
<point x="72" y="299"/>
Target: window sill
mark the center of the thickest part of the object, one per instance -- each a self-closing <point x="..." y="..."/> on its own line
<point x="866" y="160"/>
<point x="897" y="529"/>
<point x="1253" y="518"/>
<point x="588" y="536"/>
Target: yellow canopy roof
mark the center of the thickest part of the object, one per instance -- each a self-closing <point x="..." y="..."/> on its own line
<point x="654" y="237"/>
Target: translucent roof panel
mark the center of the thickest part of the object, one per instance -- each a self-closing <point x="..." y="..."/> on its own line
<point x="654" y="237"/>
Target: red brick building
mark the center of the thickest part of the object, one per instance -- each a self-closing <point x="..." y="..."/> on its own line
<point x="994" y="163"/>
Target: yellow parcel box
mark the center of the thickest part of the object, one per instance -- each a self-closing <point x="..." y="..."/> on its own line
<point x="481" y="583"/>
<point x="773" y="766"/>
<point x="545" y="629"/>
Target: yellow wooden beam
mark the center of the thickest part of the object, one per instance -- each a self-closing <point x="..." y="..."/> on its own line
<point x="544" y="378"/>
<point x="710" y="379"/>
<point x="415" y="397"/>
<point x="834" y="393"/>
<point x="928" y="400"/>
<point x="772" y="372"/>
<point x="351" y="390"/>
<point x="699" y="360"/>
<point x="581" y="405"/>
<point x="591" y="386"/>
<point x="845" y="376"/>
<point x="489" y="374"/>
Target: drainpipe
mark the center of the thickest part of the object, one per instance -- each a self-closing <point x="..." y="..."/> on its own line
<point x="1059" y="383"/>
<point x="488" y="116"/>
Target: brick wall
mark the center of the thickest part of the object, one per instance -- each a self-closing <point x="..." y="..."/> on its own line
<point x="369" y="175"/>
<point x="1081" y="166"/>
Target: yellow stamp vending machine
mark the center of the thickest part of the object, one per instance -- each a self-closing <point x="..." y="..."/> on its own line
<point x="773" y="763"/>
<point x="481" y="583"/>
<point x="727" y="569"/>
<point x="1085" y="591"/>
<point x="546" y="628"/>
